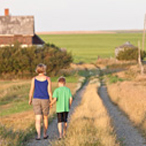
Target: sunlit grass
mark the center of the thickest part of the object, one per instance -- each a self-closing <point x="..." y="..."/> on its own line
<point x="130" y="96"/>
<point x="87" y="47"/>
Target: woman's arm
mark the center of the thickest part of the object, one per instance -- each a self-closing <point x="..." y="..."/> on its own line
<point x="53" y="101"/>
<point x="31" y="91"/>
<point x="50" y="89"/>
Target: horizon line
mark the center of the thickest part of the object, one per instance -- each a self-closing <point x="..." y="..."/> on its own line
<point x="90" y="31"/>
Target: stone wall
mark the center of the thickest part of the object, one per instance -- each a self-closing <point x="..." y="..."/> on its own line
<point x="9" y="40"/>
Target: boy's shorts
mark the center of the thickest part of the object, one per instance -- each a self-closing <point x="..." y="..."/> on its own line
<point x="40" y="106"/>
<point x="62" y="117"/>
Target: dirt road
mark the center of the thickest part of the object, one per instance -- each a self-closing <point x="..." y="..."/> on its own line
<point x="126" y="133"/>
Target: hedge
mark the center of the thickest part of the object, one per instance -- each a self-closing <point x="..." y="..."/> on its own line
<point x="130" y="54"/>
<point x="17" y="60"/>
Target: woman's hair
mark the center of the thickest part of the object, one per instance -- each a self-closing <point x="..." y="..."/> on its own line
<point x="62" y="80"/>
<point x="41" y="68"/>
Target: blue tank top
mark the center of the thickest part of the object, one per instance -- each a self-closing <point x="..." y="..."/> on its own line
<point x="41" y="89"/>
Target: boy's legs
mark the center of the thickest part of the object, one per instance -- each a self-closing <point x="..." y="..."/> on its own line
<point x="62" y="118"/>
<point x="65" y="117"/>
<point x="60" y="129"/>
<point x="38" y="125"/>
<point x="64" y="128"/>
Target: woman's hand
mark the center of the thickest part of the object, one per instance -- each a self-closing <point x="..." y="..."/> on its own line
<point x="50" y="105"/>
<point x="30" y="102"/>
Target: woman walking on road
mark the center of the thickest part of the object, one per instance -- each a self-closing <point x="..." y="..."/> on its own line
<point x="41" y="92"/>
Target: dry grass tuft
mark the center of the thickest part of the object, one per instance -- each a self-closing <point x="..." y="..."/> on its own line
<point x="130" y="96"/>
<point x="113" y="63"/>
<point x="82" y="66"/>
<point x="90" y="124"/>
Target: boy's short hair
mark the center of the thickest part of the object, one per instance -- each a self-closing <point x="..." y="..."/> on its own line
<point x="41" y="68"/>
<point x="62" y="80"/>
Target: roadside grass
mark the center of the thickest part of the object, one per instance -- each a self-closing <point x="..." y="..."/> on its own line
<point x="88" y="73"/>
<point x="69" y="79"/>
<point x="130" y="97"/>
<point x="114" y="79"/>
<point x="15" y="138"/>
<point x="90" y="124"/>
<point x="87" y="47"/>
<point x="16" y="116"/>
<point x="20" y="133"/>
<point x="17" y="97"/>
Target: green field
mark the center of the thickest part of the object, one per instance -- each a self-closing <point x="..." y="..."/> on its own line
<point x="87" y="47"/>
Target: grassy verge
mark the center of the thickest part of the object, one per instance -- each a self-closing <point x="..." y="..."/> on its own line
<point x="16" y="97"/>
<point x="114" y="79"/>
<point x="16" y="116"/>
<point x="69" y="79"/>
<point x="90" y="123"/>
<point x="130" y="97"/>
<point x="19" y="137"/>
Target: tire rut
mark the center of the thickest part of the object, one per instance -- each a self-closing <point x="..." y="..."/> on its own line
<point x="126" y="133"/>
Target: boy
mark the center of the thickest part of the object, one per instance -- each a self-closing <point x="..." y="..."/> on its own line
<point x="62" y="95"/>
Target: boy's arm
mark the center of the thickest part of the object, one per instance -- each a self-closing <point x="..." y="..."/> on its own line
<point x="70" y="99"/>
<point x="31" y="91"/>
<point x="70" y="102"/>
<point x="50" y="89"/>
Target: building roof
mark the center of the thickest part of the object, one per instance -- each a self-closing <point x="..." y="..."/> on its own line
<point x="36" y="40"/>
<point x="127" y="45"/>
<point x="17" y="25"/>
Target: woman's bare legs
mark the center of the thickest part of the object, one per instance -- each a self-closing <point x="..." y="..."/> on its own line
<point x="38" y="125"/>
<point x="45" y="118"/>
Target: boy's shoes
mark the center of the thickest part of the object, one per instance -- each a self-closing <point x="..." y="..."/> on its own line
<point x="37" y="139"/>
<point x="46" y="137"/>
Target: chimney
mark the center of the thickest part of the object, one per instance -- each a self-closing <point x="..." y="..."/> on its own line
<point x="6" y="12"/>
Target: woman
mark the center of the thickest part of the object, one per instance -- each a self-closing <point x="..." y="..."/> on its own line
<point x="41" y="91"/>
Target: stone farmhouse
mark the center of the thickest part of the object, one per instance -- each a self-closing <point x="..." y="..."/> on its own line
<point x="127" y="45"/>
<point x="18" y="28"/>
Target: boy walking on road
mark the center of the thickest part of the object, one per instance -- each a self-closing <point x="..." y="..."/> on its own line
<point x="63" y="97"/>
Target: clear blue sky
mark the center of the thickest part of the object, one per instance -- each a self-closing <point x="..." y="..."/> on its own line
<point x="70" y="15"/>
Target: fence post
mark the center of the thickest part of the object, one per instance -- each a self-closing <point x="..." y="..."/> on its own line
<point x="139" y="60"/>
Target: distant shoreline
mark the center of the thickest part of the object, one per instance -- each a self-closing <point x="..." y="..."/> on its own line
<point x="90" y="32"/>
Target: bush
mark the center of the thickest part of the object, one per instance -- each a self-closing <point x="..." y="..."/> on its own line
<point x="130" y="54"/>
<point x="16" y="60"/>
<point x="115" y="79"/>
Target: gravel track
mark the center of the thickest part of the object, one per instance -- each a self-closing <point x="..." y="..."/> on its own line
<point x="52" y="129"/>
<point x="126" y="132"/>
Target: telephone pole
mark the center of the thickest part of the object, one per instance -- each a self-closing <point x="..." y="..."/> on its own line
<point x="143" y="38"/>
<point x="139" y="60"/>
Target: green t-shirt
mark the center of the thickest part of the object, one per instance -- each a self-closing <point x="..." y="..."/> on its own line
<point x="63" y="95"/>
